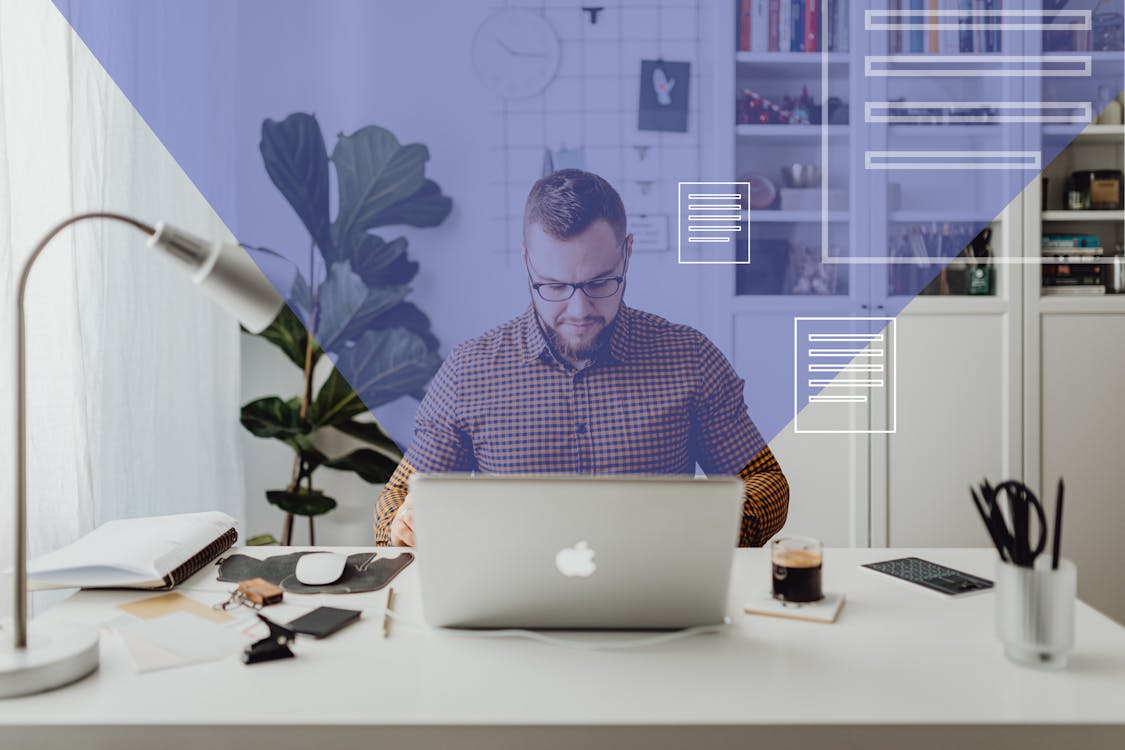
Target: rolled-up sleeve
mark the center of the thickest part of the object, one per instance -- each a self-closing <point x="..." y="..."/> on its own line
<point x="725" y="441"/>
<point x="440" y="445"/>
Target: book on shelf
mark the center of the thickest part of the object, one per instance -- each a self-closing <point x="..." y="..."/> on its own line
<point x="1089" y="290"/>
<point x="745" y="24"/>
<point x="922" y="34"/>
<point x="792" y="25"/>
<point x="1073" y="255"/>
<point x="1077" y="253"/>
<point x="1075" y="243"/>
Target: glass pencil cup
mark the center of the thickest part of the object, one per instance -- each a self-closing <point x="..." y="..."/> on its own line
<point x="1035" y="612"/>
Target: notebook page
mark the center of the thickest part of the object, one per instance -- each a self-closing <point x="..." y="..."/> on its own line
<point x="129" y="552"/>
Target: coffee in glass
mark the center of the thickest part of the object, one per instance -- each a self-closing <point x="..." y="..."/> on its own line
<point x="797" y="563"/>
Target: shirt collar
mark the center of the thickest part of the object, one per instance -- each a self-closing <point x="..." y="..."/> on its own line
<point x="535" y="343"/>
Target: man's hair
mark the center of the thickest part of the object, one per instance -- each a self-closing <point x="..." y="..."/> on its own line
<point x="565" y="203"/>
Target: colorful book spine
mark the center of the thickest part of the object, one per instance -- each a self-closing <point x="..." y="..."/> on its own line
<point x="812" y="26"/>
<point x="965" y="34"/>
<point x="760" y="26"/>
<point x="797" y="19"/>
<point x="933" y="19"/>
<point x="774" y="20"/>
<point x="785" y="26"/>
<point x="744" y="20"/>
<point x="917" y="38"/>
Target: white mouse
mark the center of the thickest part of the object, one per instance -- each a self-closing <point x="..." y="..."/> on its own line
<point x="319" y="568"/>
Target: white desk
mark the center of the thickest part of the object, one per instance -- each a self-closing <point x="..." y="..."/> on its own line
<point x="901" y="668"/>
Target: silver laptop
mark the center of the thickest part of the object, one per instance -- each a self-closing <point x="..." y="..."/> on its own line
<point x="575" y="552"/>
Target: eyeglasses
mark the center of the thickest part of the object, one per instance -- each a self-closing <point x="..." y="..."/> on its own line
<point x="557" y="291"/>
<point x="560" y="291"/>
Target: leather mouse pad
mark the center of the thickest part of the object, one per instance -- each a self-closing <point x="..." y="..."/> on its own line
<point x="281" y="570"/>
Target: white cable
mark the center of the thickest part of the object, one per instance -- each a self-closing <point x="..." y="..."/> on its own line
<point x="550" y="640"/>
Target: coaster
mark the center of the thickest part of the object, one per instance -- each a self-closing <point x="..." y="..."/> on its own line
<point x="826" y="610"/>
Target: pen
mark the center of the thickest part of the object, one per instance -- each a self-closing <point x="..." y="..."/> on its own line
<point x="387" y="611"/>
<point x="989" y="526"/>
<point x="1056" y="543"/>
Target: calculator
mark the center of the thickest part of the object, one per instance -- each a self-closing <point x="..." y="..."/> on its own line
<point x="931" y="575"/>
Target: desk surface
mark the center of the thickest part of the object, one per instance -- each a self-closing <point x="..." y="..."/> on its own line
<point x="899" y="657"/>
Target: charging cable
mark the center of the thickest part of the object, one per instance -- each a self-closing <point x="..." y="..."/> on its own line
<point x="581" y="645"/>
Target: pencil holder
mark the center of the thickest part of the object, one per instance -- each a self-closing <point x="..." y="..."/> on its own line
<point x="1035" y="612"/>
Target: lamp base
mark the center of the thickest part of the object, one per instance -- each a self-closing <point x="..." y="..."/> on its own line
<point x="57" y="654"/>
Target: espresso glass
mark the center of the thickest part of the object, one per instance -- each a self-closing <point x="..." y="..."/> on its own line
<point x="797" y="562"/>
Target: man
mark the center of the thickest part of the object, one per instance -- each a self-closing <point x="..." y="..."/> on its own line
<point x="582" y="384"/>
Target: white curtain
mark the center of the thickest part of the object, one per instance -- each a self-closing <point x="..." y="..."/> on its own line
<point x="133" y="391"/>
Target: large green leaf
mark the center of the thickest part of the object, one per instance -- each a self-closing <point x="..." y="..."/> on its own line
<point x="348" y="307"/>
<point x="340" y="297"/>
<point x="381" y="263"/>
<point x="374" y="172"/>
<point x="336" y="402"/>
<point x="296" y="160"/>
<point x="370" y="465"/>
<point x="372" y="434"/>
<point x="384" y="365"/>
<point x="379" y="301"/>
<point x="271" y="417"/>
<point x="313" y="458"/>
<point x="288" y="333"/>
<point x="407" y="315"/>
<point x="426" y="208"/>
<point x="302" y="502"/>
<point x="300" y="296"/>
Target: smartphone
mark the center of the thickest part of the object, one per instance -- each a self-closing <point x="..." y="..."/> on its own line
<point x="324" y="621"/>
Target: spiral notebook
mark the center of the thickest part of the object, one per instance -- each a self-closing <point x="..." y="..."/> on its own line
<point x="156" y="553"/>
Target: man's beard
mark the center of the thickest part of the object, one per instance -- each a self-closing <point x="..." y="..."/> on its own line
<point x="581" y="350"/>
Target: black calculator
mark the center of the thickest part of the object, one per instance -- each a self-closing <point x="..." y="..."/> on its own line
<point x="931" y="575"/>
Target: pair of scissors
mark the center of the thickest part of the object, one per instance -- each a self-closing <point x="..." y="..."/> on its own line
<point x="1016" y="540"/>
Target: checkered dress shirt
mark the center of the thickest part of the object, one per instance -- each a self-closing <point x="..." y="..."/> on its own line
<point x="659" y="399"/>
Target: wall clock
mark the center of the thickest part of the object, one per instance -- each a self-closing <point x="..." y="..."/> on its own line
<point x="516" y="53"/>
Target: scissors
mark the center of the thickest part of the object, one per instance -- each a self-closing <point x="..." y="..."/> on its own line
<point x="1017" y="540"/>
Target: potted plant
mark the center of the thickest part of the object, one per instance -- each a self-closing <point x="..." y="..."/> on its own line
<point x="351" y="295"/>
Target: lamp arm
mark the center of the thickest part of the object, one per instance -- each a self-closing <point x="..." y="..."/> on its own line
<point x="20" y="609"/>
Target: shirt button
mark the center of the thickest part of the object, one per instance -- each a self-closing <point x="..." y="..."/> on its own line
<point x="581" y="428"/>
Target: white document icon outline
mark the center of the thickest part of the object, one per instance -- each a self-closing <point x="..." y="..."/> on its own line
<point x="713" y="211"/>
<point x="890" y="373"/>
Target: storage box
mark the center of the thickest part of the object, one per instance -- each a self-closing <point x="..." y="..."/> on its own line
<point x="808" y="199"/>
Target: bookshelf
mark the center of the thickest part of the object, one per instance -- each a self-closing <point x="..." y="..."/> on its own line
<point x="1014" y="383"/>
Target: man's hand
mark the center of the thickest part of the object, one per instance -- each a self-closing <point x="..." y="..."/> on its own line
<point x="402" y="527"/>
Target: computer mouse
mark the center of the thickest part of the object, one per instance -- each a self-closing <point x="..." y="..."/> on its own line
<point x="319" y="568"/>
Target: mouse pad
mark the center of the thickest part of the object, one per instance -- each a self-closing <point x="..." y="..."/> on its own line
<point x="281" y="570"/>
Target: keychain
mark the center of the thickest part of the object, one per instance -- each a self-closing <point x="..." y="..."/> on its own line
<point x="254" y="593"/>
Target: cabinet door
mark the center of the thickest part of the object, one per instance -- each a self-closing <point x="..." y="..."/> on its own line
<point x="958" y="417"/>
<point x="1082" y="439"/>
<point x="827" y="473"/>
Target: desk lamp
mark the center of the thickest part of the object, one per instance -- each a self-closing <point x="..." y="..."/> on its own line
<point x="55" y="654"/>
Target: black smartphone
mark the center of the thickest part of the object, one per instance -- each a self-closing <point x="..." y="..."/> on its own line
<point x="324" y="621"/>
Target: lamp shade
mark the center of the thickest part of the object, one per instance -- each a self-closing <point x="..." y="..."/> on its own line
<point x="225" y="273"/>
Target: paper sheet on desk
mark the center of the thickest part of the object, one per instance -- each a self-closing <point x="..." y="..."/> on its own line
<point x="178" y="639"/>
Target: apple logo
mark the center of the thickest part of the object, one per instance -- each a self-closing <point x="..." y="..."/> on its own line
<point x="576" y="561"/>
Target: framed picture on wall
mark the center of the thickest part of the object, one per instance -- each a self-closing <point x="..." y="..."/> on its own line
<point x="664" y="96"/>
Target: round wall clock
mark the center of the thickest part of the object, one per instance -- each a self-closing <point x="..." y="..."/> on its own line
<point x="516" y="53"/>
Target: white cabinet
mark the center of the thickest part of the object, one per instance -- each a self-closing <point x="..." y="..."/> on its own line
<point x="1081" y="437"/>
<point x="1012" y="385"/>
<point x="958" y="422"/>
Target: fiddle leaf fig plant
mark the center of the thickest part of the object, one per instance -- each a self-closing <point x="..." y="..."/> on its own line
<point x="351" y="294"/>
